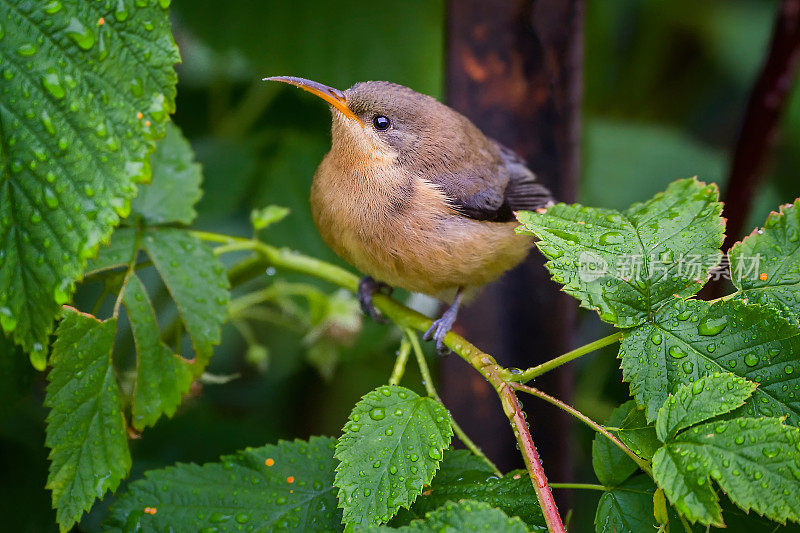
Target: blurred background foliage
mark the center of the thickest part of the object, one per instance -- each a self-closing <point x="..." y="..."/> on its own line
<point x="665" y="88"/>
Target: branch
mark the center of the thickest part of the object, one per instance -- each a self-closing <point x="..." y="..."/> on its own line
<point x="408" y="318"/>
<point x="534" y="371"/>
<point x="760" y="122"/>
<point x="644" y="465"/>
<point x="427" y="380"/>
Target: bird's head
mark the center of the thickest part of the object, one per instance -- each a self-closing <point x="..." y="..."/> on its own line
<point x="378" y="122"/>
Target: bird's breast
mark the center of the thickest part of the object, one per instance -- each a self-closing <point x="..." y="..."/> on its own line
<point x="400" y="229"/>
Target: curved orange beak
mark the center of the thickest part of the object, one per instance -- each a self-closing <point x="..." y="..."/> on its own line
<point x="334" y="97"/>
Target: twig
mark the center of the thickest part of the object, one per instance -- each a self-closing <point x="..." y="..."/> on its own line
<point x="400" y="363"/>
<point x="408" y="318"/>
<point x="428" y="383"/>
<point x="644" y="465"/>
<point x="534" y="371"/>
<point x="513" y="410"/>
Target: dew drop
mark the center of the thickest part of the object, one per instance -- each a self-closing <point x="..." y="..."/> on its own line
<point x="656" y="338"/>
<point x="788" y="369"/>
<point x="80" y="34"/>
<point x="377" y="413"/>
<point x="751" y="359"/>
<point x="611" y="237"/>
<point x="677" y="352"/>
<point x="7" y="320"/>
<point x="712" y="325"/>
<point x="26" y="49"/>
<point x="434" y="453"/>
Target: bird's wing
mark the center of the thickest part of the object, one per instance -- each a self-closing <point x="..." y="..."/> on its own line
<point x="524" y="192"/>
<point x="495" y="189"/>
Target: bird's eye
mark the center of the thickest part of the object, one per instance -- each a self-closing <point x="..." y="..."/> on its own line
<point x="381" y="123"/>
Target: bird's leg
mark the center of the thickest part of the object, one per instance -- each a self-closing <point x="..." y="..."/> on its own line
<point x="367" y="286"/>
<point x="441" y="326"/>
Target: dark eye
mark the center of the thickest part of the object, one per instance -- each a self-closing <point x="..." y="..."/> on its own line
<point x="381" y="123"/>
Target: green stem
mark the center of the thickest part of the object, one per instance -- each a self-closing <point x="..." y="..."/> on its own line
<point x="428" y="382"/>
<point x="644" y="465"/>
<point x="534" y="371"/>
<point x="586" y="486"/>
<point x="400" y="363"/>
<point x="408" y="318"/>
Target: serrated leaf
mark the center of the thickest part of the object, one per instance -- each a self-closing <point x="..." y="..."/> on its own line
<point x="161" y="376"/>
<point x="176" y="182"/>
<point x="463" y="516"/>
<point x="705" y="398"/>
<point x="117" y="253"/>
<point x="288" y="486"/>
<point x="625" y="265"/>
<point x="688" y="490"/>
<point x="637" y="434"/>
<point x="196" y="281"/>
<point x="85" y="428"/>
<point x="71" y="146"/>
<point x="390" y="448"/>
<point x="611" y="465"/>
<point x="765" y="266"/>
<point x="457" y="463"/>
<point x="756" y="461"/>
<point x="513" y="494"/>
<point x="628" y="508"/>
<point x="689" y="339"/>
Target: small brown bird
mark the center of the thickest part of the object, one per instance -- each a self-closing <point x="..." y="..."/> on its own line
<point x="415" y="196"/>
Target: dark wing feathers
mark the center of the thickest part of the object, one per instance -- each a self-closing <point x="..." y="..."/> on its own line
<point x="494" y="191"/>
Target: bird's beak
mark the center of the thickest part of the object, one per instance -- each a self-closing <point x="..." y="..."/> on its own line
<point x="334" y="97"/>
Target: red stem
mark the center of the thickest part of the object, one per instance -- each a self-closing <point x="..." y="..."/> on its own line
<point x="513" y="410"/>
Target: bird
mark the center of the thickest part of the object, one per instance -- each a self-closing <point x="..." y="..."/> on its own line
<point x="415" y="196"/>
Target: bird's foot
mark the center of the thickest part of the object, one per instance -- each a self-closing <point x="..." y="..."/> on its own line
<point x="438" y="331"/>
<point x="367" y="286"/>
<point x="442" y="325"/>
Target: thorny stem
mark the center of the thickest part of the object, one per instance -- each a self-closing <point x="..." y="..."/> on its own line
<point x="400" y="363"/>
<point x="428" y="382"/>
<point x="534" y="371"/>
<point x="408" y="318"/>
<point x="644" y="465"/>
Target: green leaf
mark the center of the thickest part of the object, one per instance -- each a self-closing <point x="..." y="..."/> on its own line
<point x="161" y="376"/>
<point x="116" y="254"/>
<point x="705" y="398"/>
<point x="636" y="434"/>
<point x="196" y="281"/>
<point x="611" y="465"/>
<point x="288" y="486"/>
<point x="625" y="265"/>
<point x="689" y="339"/>
<point x="390" y="447"/>
<point x="687" y="488"/>
<point x="765" y="266"/>
<point x="756" y="461"/>
<point x="628" y="508"/>
<point x="465" y="516"/>
<point x="264" y="217"/>
<point x="513" y="494"/>
<point x="176" y="182"/>
<point x="85" y="428"/>
<point x="457" y="463"/>
<point x="71" y="147"/>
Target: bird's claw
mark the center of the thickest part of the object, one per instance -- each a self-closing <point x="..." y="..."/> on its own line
<point x="367" y="286"/>
<point x="438" y="331"/>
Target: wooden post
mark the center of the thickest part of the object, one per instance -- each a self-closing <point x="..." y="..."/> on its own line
<point x="515" y="68"/>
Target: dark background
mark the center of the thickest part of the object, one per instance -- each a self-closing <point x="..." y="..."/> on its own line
<point x="665" y="88"/>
